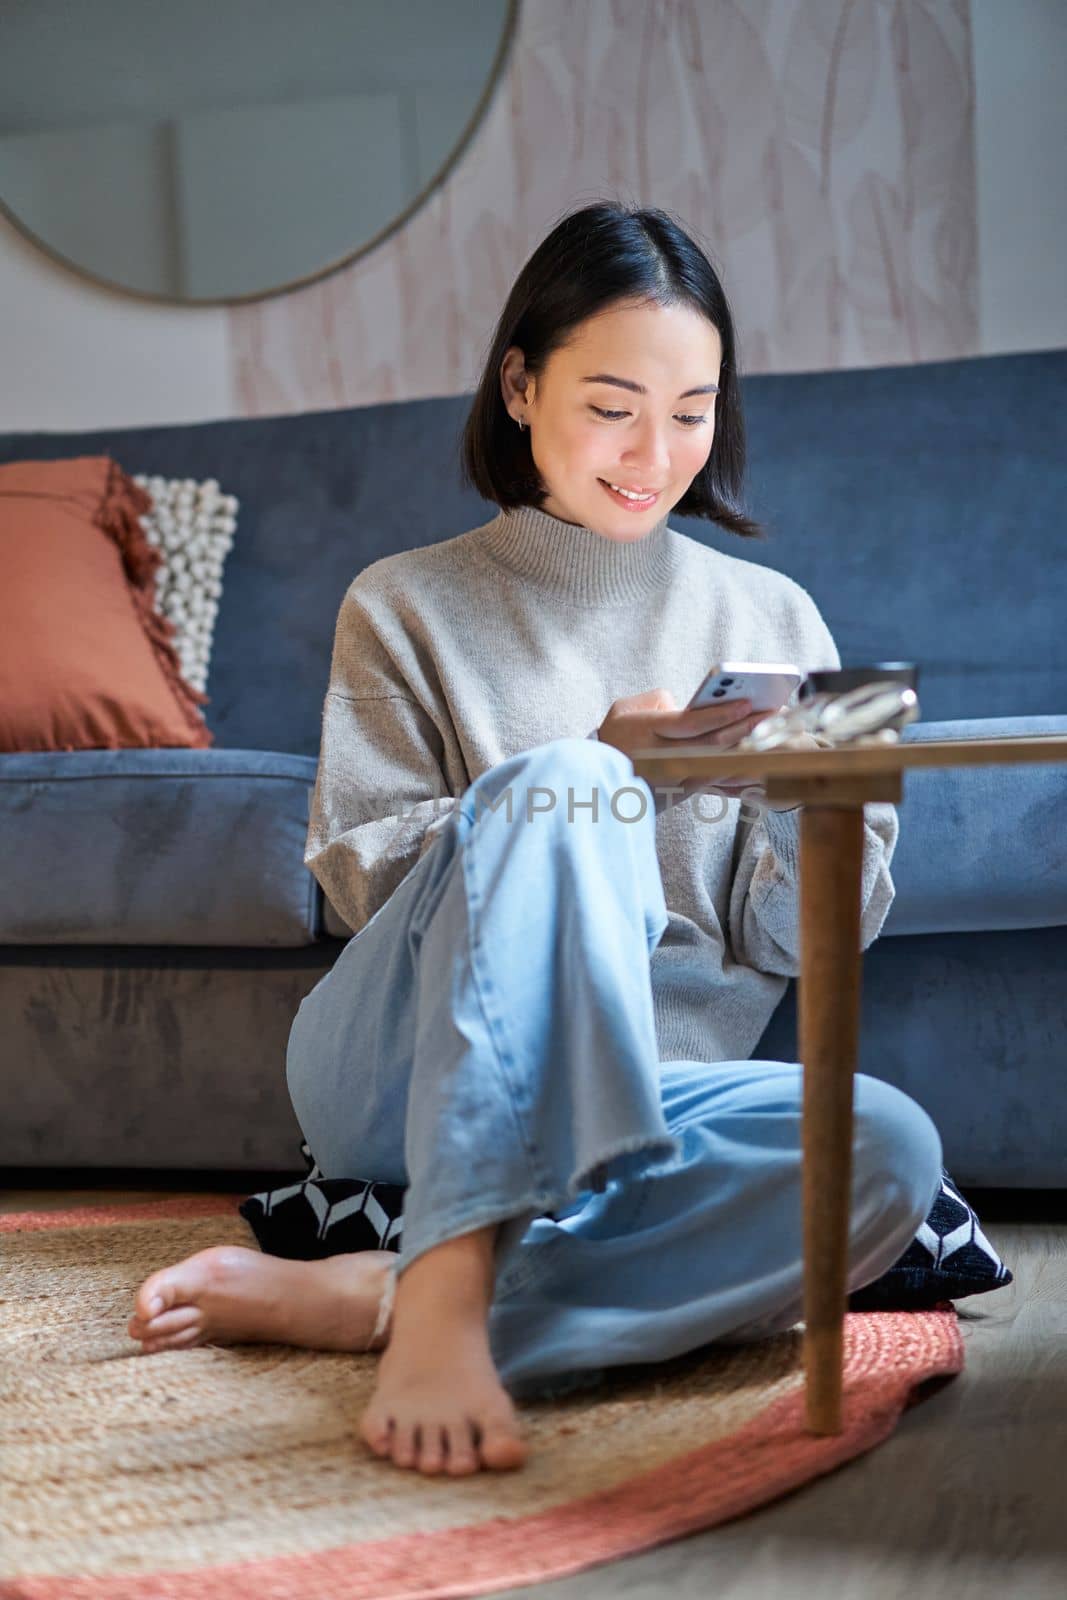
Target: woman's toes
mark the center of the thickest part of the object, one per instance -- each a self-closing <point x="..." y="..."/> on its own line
<point x="157" y="1293"/>
<point x="432" y="1454"/>
<point x="404" y="1445"/>
<point x="174" y="1286"/>
<point x="167" y="1323"/>
<point x="176" y="1341"/>
<point x="375" y="1432"/>
<point x="188" y="1281"/>
<point x="501" y="1446"/>
<point x="461" y="1455"/>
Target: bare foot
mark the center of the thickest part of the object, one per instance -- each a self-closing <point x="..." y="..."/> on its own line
<point x="439" y="1404"/>
<point x="229" y="1294"/>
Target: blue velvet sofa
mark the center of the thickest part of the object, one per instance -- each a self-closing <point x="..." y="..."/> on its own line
<point x="158" y="928"/>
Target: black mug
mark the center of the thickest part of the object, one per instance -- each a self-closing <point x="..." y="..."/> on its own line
<point x="838" y="680"/>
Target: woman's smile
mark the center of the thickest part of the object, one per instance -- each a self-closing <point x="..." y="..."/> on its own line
<point x="630" y="500"/>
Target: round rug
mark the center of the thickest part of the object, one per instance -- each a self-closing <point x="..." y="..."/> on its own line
<point x="237" y="1471"/>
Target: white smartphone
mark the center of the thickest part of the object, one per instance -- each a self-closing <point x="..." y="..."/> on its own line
<point x="768" y="684"/>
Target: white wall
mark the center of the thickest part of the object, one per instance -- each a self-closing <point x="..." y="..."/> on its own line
<point x="75" y="356"/>
<point x="1020" y="63"/>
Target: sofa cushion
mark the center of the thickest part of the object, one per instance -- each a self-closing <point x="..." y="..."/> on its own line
<point x="205" y="847"/>
<point x="981" y="847"/>
<point x="156" y="847"/>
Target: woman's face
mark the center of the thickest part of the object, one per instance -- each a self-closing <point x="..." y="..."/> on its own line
<point x="612" y="408"/>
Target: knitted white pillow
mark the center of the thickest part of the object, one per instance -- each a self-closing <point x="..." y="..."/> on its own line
<point x="192" y="526"/>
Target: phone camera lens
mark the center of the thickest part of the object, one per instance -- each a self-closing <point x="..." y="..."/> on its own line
<point x="717" y="694"/>
<point x="726" y="682"/>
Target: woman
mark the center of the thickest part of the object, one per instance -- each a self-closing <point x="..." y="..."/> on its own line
<point x="543" y="1025"/>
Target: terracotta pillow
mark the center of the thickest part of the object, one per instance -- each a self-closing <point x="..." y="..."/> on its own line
<point x="86" y="660"/>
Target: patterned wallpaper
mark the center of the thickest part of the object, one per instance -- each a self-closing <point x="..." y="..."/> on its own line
<point x="821" y="150"/>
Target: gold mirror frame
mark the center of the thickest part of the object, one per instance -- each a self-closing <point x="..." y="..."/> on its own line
<point x="496" y="72"/>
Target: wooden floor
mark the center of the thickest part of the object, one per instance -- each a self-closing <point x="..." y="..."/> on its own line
<point x="967" y="1499"/>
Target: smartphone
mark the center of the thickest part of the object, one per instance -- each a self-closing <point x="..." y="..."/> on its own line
<point x="768" y="684"/>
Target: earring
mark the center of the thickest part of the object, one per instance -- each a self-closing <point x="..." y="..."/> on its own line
<point x="521" y="424"/>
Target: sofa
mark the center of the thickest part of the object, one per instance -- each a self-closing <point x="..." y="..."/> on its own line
<point x="158" y="928"/>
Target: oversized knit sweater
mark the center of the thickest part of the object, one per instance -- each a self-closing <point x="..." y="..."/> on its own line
<point x="453" y="657"/>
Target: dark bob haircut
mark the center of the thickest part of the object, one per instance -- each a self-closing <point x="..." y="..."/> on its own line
<point x="594" y="258"/>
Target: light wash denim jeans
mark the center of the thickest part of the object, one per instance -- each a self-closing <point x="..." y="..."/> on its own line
<point x="487" y="1039"/>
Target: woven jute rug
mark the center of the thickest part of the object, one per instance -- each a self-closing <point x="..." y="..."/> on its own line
<point x="237" y="1471"/>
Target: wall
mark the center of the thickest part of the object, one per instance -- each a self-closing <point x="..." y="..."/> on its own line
<point x="849" y="165"/>
<point x="1020" y="60"/>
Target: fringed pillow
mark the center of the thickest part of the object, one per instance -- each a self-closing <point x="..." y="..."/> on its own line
<point x="192" y="526"/>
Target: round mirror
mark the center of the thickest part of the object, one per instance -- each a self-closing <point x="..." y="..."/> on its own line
<point x="224" y="150"/>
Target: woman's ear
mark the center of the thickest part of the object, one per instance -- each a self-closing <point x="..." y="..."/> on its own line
<point x="514" y="382"/>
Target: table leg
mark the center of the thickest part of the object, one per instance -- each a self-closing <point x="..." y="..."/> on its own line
<point x="828" y="1005"/>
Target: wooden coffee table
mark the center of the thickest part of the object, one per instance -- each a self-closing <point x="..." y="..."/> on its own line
<point x="833" y="786"/>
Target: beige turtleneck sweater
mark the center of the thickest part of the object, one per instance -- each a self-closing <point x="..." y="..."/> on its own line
<point x="450" y="658"/>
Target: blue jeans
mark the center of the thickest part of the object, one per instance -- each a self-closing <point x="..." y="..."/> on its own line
<point x="487" y="1039"/>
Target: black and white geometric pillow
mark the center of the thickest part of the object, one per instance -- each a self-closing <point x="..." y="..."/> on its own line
<point x="948" y="1259"/>
<point x="325" y="1216"/>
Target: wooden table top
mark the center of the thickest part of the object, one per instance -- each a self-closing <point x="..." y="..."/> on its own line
<point x="698" y="760"/>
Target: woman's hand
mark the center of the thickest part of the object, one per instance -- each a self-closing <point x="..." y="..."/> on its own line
<point x="652" y="721"/>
